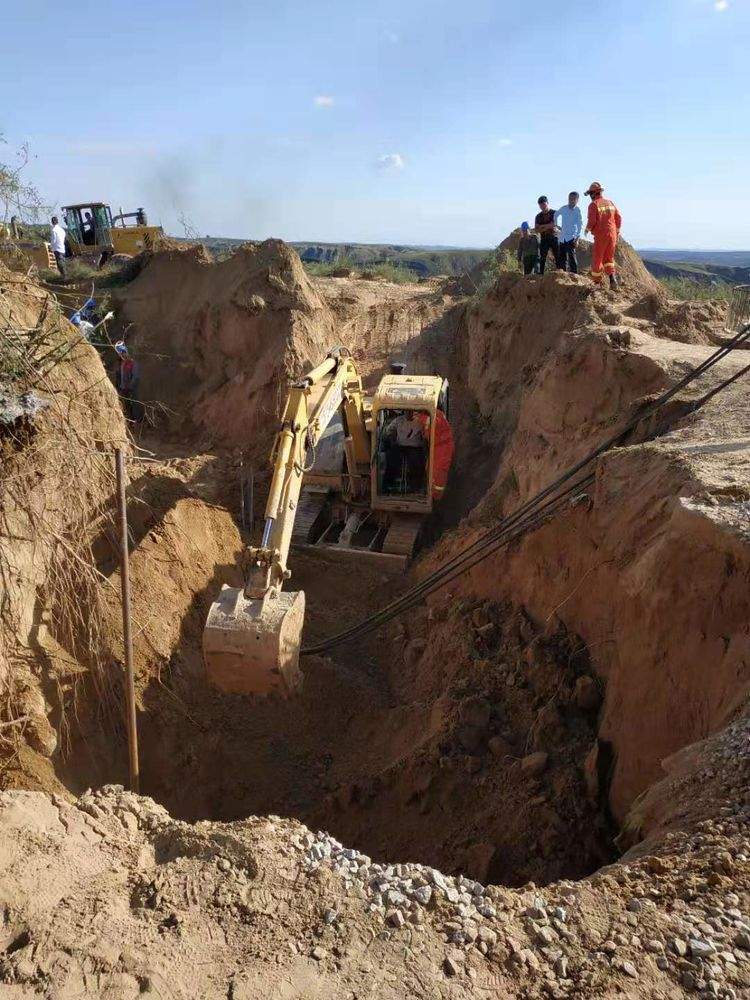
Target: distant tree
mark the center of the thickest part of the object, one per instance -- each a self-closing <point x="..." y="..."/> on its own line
<point x="190" y="231"/>
<point x="17" y="197"/>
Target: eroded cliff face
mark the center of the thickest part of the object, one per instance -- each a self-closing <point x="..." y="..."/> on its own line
<point x="650" y="567"/>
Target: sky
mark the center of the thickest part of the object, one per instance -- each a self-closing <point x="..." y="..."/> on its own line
<point x="427" y="122"/>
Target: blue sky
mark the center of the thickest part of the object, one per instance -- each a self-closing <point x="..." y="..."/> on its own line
<point x="422" y="122"/>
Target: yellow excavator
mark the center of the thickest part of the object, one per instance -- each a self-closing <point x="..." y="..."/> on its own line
<point x="352" y="474"/>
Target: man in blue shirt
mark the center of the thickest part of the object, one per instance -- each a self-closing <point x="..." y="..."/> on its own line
<point x="571" y="226"/>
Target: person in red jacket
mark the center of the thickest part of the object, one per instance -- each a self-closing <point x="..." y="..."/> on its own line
<point x="604" y="223"/>
<point x="442" y="454"/>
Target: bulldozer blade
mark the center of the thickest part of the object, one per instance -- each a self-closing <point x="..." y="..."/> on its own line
<point x="252" y="646"/>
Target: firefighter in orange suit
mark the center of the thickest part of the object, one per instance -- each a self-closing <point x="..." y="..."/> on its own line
<point x="604" y="222"/>
<point x="442" y="456"/>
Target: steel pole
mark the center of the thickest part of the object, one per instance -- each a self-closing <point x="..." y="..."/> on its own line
<point x="126" y="629"/>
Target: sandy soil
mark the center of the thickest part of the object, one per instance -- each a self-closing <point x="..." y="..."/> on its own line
<point x="516" y="732"/>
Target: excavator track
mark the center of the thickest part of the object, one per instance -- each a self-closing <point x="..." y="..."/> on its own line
<point x="310" y="507"/>
<point x="402" y="536"/>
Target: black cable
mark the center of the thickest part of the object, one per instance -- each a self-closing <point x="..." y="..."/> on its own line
<point x="455" y="567"/>
<point x="529" y="514"/>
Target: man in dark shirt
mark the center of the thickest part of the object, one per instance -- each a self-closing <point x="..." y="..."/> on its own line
<point x="89" y="230"/>
<point x="544" y="224"/>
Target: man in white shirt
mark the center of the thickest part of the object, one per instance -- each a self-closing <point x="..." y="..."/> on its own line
<point x="57" y="244"/>
<point x="571" y="225"/>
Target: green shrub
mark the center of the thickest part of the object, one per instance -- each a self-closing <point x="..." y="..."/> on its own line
<point x="75" y="270"/>
<point x="385" y="269"/>
<point x="499" y="261"/>
<point x="325" y="268"/>
<point x="392" y="272"/>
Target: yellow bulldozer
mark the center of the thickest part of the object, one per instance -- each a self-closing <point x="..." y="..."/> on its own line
<point x="354" y="474"/>
<point x="92" y="231"/>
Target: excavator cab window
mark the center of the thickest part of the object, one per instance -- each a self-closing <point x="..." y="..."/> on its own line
<point x="403" y="452"/>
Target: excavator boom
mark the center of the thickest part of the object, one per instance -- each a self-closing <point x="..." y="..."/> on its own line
<point x="252" y="636"/>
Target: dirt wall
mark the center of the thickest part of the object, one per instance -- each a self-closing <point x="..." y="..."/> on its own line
<point x="660" y="539"/>
<point x="56" y="499"/>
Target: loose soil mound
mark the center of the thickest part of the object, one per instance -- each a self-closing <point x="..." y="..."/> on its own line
<point x="217" y="341"/>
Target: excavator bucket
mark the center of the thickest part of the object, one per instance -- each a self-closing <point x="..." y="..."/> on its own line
<point x="252" y="646"/>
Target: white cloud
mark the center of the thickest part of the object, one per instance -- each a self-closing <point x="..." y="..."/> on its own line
<point x="391" y="161"/>
<point x="721" y="5"/>
<point x="324" y="101"/>
<point x="505" y="143"/>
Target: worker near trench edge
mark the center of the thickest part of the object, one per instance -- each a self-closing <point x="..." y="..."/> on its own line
<point x="127" y="382"/>
<point x="57" y="244"/>
<point x="570" y="221"/>
<point x="604" y="223"/>
<point x="544" y="224"/>
<point x="528" y="250"/>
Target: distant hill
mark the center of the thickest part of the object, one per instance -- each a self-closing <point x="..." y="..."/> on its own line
<point x="719" y="258"/>
<point x="423" y="262"/>
<point x="701" y="267"/>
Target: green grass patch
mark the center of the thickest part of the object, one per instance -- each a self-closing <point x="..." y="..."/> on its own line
<point x="392" y="272"/>
<point x="325" y="269"/>
<point x="385" y="269"/>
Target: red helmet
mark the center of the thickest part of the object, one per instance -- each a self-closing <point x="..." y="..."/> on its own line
<point x="594" y="188"/>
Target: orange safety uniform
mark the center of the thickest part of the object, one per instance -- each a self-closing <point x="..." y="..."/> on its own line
<point x="604" y="221"/>
<point x="442" y="456"/>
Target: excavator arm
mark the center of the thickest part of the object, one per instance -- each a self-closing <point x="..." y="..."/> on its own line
<point x="311" y="405"/>
<point x="252" y="636"/>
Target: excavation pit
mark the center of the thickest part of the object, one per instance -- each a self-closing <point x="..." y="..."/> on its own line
<point x="473" y="735"/>
<point x="465" y="739"/>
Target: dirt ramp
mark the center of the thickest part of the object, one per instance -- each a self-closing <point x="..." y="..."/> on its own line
<point x="381" y="322"/>
<point x="218" y="341"/>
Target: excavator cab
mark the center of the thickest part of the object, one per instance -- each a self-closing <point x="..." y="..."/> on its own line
<point x="355" y="476"/>
<point x="402" y="456"/>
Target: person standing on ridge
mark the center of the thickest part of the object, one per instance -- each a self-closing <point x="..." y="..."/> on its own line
<point x="544" y="223"/>
<point x="571" y="226"/>
<point x="604" y="223"/>
<point x="57" y="244"/>
<point x="528" y="249"/>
